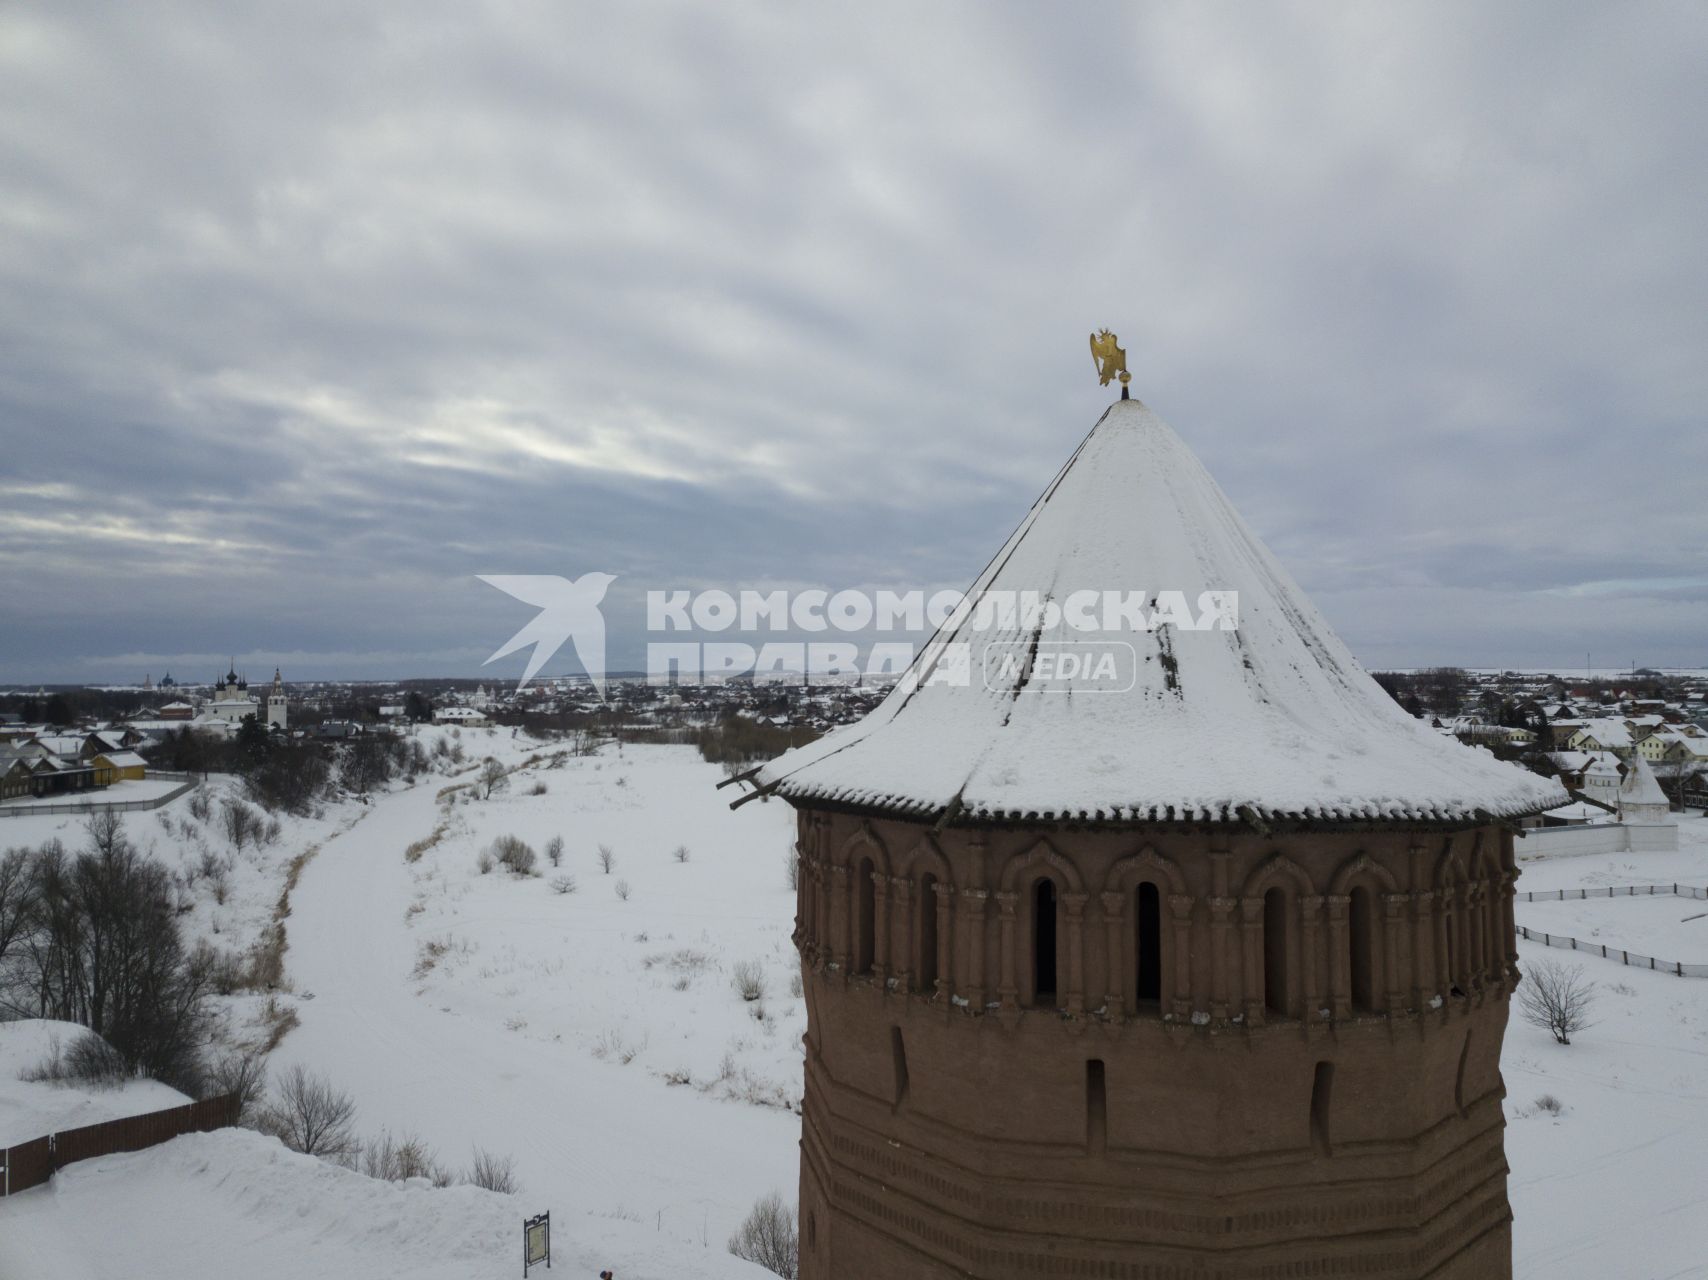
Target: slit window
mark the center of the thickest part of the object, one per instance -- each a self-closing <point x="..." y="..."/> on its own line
<point x="1362" y="958"/>
<point x="1148" y="942"/>
<point x="865" y="916"/>
<point x="1275" y="952"/>
<point x="1044" y="942"/>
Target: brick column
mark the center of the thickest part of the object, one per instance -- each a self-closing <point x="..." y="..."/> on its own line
<point x="1251" y="952"/>
<point x="839" y="931"/>
<point x="901" y="890"/>
<point x="1310" y="917"/>
<point x="880" y="927"/>
<point x="944" y="895"/>
<point x="1393" y="916"/>
<point x="1339" y="980"/>
<point x="1075" y="904"/>
<point x="1114" y="910"/>
<point x="1221" y="935"/>
<point x="1180" y="905"/>
<point x="973" y="911"/>
<point x="1007" y="977"/>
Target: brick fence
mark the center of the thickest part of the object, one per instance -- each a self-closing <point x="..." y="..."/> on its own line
<point x="29" y="1164"/>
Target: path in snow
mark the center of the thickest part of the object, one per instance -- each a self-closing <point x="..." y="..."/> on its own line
<point x="588" y="1136"/>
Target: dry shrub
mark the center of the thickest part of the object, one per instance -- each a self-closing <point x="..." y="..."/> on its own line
<point x="515" y="854"/>
<point x="396" y="1159"/>
<point x="493" y="1172"/>
<point x="749" y="980"/>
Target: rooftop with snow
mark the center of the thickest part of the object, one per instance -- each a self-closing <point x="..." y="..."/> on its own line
<point x="1273" y="719"/>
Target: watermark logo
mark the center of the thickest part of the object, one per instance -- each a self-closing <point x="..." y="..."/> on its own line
<point x="567" y="611"/>
<point x="1060" y="666"/>
<point x="1008" y="641"/>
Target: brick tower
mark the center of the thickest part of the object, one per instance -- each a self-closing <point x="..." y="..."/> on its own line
<point x="1193" y="961"/>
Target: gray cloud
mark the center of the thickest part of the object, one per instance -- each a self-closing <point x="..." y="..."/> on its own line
<point x="307" y="316"/>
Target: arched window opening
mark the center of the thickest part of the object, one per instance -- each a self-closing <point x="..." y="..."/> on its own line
<point x="866" y="913"/>
<point x="1362" y="957"/>
<point x="1147" y="941"/>
<point x="927" y="909"/>
<point x="1275" y="952"/>
<point x="1044" y="943"/>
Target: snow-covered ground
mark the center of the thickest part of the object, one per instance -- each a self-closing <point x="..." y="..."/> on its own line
<point x="235" y="1203"/>
<point x="491" y="1010"/>
<point x="32" y="1108"/>
<point x="1616" y="1185"/>
<point x="1665" y="926"/>
<point x="601" y="1042"/>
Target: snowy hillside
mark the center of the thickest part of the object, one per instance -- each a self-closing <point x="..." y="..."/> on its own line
<point x="234" y="1203"/>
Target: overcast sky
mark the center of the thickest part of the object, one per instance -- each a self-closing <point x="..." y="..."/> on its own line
<point x="310" y="313"/>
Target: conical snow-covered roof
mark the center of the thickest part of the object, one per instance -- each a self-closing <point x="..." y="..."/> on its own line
<point x="1639" y="786"/>
<point x="1274" y="717"/>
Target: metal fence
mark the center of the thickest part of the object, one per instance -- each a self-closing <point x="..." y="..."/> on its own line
<point x="1614" y="891"/>
<point x="94" y="804"/>
<point x="29" y="1164"/>
<point x="1566" y="943"/>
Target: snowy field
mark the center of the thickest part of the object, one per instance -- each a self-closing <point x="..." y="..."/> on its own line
<point x="1616" y="1185"/>
<point x="1665" y="926"/>
<point x="600" y="1040"/>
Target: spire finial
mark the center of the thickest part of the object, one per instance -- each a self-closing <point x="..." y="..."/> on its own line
<point x="1111" y="361"/>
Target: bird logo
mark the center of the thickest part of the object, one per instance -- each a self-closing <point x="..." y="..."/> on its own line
<point x="567" y="611"/>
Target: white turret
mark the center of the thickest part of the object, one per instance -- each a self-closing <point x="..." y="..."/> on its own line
<point x="1641" y="800"/>
<point x="276" y="703"/>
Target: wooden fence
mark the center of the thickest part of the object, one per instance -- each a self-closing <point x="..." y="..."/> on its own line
<point x="29" y="1164"/>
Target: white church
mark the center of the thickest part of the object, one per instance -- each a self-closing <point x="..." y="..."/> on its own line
<point x="233" y="703"/>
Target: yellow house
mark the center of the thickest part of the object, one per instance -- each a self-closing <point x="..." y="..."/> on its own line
<point x="1669" y="746"/>
<point x="118" y="766"/>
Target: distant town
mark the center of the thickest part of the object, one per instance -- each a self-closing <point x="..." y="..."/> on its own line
<point x="58" y="741"/>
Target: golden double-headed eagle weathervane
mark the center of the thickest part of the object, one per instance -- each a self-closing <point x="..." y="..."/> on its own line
<point x="1111" y="360"/>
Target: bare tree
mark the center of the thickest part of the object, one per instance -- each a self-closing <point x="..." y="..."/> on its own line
<point x="492" y="778"/>
<point x="607" y="859"/>
<point x="1556" y="999"/>
<point x="768" y="1236"/>
<point x="17" y="905"/>
<point x="554" y="850"/>
<point x="311" y="1116"/>
<point x="242" y="824"/>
